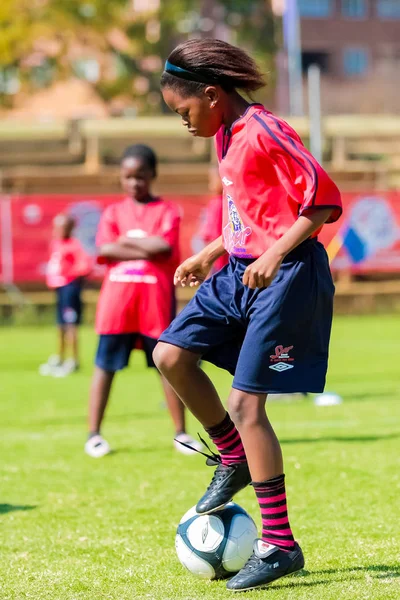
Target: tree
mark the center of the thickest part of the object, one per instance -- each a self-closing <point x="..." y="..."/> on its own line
<point x="39" y="33"/>
<point x="45" y="40"/>
<point x="250" y="24"/>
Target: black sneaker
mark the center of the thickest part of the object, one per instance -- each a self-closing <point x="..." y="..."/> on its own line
<point x="227" y="481"/>
<point x="265" y="565"/>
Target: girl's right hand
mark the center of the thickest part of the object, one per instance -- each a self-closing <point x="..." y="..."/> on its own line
<point x="192" y="271"/>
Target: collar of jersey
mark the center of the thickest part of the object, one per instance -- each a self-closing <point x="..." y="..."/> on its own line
<point x="245" y="114"/>
<point x="228" y="133"/>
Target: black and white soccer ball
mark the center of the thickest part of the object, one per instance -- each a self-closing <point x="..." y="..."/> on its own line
<point x="217" y="545"/>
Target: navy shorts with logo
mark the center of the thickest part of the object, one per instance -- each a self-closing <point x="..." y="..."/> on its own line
<point x="273" y="340"/>
<point x="69" y="303"/>
<point x="114" y="350"/>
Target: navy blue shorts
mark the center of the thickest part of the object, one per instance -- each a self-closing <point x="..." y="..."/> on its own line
<point x="114" y="350"/>
<point x="273" y="340"/>
<point x="69" y="303"/>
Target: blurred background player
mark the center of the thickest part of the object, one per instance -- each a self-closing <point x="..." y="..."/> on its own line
<point x="67" y="267"/>
<point x="138" y="240"/>
<point x="211" y="222"/>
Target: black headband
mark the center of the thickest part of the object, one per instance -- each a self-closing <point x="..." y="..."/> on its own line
<point x="188" y="75"/>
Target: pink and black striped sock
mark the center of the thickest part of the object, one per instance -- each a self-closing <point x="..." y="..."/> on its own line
<point x="271" y="496"/>
<point x="227" y="439"/>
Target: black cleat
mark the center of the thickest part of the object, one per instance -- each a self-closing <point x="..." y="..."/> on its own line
<point x="265" y="565"/>
<point x="227" y="481"/>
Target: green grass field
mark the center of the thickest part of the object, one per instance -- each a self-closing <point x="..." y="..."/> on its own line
<point x="76" y="528"/>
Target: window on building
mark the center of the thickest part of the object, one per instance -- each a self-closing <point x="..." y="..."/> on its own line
<point x="355" y="61"/>
<point x="354" y="9"/>
<point x="315" y="58"/>
<point x="315" y="9"/>
<point x="388" y="9"/>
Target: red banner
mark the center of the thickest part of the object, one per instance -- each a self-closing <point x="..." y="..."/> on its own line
<point x="32" y="218"/>
<point x="366" y="238"/>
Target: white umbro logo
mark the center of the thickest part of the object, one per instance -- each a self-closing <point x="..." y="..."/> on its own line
<point x="281" y="366"/>
<point x="226" y="182"/>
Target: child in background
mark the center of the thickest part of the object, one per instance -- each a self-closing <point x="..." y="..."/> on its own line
<point x="67" y="267"/>
<point x="211" y="226"/>
<point x="138" y="240"/>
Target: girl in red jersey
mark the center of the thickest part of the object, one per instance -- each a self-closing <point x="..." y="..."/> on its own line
<point x="67" y="267"/>
<point x="138" y="240"/>
<point x="266" y="317"/>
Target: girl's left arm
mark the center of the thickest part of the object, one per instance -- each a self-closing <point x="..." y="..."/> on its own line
<point x="262" y="271"/>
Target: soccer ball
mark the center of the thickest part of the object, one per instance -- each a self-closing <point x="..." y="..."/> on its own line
<point x="217" y="545"/>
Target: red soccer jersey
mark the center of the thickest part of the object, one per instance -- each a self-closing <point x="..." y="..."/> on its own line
<point x="137" y="295"/>
<point x="269" y="179"/>
<point x="68" y="261"/>
<point x="212" y="227"/>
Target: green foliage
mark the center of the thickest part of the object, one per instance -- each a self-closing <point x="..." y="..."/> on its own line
<point x="15" y="31"/>
<point x="29" y="27"/>
<point x="22" y="22"/>
<point x="251" y="26"/>
<point x="254" y="27"/>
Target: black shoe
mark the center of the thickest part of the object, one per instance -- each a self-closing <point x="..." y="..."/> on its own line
<point x="265" y="565"/>
<point x="227" y="481"/>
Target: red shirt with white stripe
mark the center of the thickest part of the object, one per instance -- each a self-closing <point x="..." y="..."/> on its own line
<point x="269" y="179"/>
<point x="137" y="296"/>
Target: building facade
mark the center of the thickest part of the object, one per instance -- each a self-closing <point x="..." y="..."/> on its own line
<point x="356" y="43"/>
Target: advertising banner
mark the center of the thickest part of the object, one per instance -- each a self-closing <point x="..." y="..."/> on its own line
<point x="365" y="240"/>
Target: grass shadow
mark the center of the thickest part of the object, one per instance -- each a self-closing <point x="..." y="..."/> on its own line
<point x="138" y="450"/>
<point x="378" y="571"/>
<point x="295" y="583"/>
<point x="375" y="571"/>
<point x="81" y="419"/>
<point x="350" y="439"/>
<point x="7" y="508"/>
<point x="368" y="395"/>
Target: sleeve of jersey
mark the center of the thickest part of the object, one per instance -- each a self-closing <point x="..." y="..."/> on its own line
<point x="84" y="262"/>
<point x="302" y="176"/>
<point x="211" y="226"/>
<point x="170" y="225"/>
<point x="107" y="231"/>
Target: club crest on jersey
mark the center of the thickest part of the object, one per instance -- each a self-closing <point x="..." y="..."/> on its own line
<point x="235" y="233"/>
<point x="227" y="181"/>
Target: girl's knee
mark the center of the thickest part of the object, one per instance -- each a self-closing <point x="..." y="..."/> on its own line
<point x="245" y="409"/>
<point x="168" y="358"/>
<point x="164" y="357"/>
